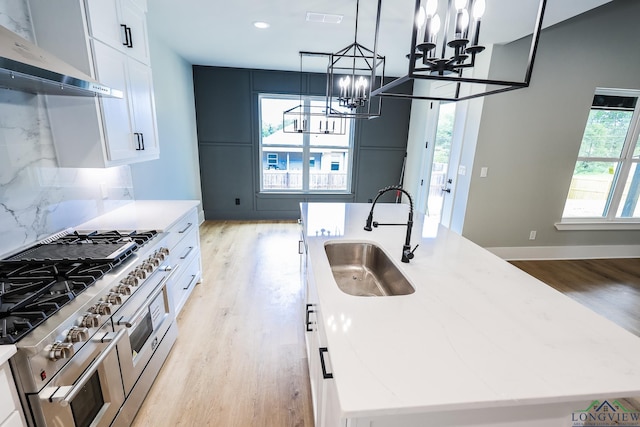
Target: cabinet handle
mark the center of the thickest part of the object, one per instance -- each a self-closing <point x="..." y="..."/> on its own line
<point x="186" y="254"/>
<point x="193" y="277"/>
<point x="325" y="375"/>
<point x="128" y="39"/>
<point x="139" y="147"/>
<point x="300" y="246"/>
<point x="142" y="139"/>
<point x="307" y="321"/>
<point x="185" y="229"/>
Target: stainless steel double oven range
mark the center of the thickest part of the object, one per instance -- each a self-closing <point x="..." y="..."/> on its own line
<point x="92" y="317"/>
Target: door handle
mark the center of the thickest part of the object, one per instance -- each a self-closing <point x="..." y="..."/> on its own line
<point x="446" y="190"/>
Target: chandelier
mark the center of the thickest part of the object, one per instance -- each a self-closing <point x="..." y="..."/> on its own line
<point x="352" y="74"/>
<point x="445" y="43"/>
<point x="463" y="52"/>
<point x="310" y="116"/>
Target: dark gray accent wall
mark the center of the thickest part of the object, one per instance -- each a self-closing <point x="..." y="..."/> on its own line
<point x="228" y="143"/>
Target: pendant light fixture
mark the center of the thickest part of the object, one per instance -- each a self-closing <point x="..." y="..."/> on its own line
<point x="446" y="42"/>
<point x="307" y="117"/>
<point x="353" y="73"/>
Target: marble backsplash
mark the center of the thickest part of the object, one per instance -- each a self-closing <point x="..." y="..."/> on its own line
<point x="37" y="198"/>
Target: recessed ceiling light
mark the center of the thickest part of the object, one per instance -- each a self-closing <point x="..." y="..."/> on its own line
<point x="326" y="18"/>
<point x="261" y="25"/>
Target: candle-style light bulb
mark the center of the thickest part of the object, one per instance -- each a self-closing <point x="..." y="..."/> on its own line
<point x="431" y="7"/>
<point x="461" y="4"/>
<point x="464" y="20"/>
<point x="421" y="17"/>
<point x="478" y="9"/>
<point x="435" y="24"/>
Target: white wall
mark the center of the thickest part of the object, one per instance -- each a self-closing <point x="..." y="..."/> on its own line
<point x="529" y="138"/>
<point x="176" y="175"/>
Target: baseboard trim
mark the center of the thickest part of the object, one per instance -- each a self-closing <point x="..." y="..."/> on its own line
<point x="531" y="253"/>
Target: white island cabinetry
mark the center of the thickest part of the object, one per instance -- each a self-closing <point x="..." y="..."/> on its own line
<point x="479" y="342"/>
<point x="106" y="39"/>
<point x="326" y="409"/>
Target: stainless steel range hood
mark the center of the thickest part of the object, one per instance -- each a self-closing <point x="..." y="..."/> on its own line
<point x="26" y="67"/>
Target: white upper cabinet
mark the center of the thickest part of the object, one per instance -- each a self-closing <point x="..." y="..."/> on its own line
<point x="106" y="39"/>
<point x="121" y="25"/>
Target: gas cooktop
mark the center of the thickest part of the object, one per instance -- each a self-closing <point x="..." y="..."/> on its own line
<point x="36" y="282"/>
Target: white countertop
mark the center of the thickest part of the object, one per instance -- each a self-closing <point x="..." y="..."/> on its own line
<point x="478" y="332"/>
<point x="6" y="351"/>
<point x="142" y="215"/>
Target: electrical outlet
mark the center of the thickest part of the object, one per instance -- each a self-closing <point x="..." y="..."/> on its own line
<point x="484" y="171"/>
<point x="532" y="235"/>
<point x="237" y="201"/>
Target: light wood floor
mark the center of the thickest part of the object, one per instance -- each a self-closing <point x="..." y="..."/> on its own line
<point x="239" y="359"/>
<point x="610" y="287"/>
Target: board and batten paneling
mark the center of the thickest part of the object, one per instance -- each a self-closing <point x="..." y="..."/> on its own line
<point x="228" y="140"/>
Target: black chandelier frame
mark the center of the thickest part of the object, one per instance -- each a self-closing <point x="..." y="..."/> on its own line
<point x="427" y="73"/>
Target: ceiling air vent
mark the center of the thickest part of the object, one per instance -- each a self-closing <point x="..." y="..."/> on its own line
<point x="325" y="18"/>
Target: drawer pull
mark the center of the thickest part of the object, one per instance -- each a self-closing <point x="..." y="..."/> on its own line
<point x="186" y="254"/>
<point x="186" y="228"/>
<point x="193" y="277"/>
<point x="307" y="322"/>
<point x="325" y="375"/>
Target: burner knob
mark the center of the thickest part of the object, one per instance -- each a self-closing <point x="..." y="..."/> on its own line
<point x="102" y="308"/>
<point x="90" y="320"/>
<point x="140" y="273"/>
<point x="60" y="350"/>
<point x="130" y="280"/>
<point x="160" y="255"/>
<point x="77" y="334"/>
<point x="113" y="298"/>
<point x="164" y="251"/>
<point x="146" y="267"/>
<point x="123" y="289"/>
<point x="154" y="262"/>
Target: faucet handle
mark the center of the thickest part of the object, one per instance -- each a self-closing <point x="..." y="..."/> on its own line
<point x="408" y="253"/>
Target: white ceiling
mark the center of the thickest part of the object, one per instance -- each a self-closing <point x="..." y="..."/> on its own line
<point x="221" y="33"/>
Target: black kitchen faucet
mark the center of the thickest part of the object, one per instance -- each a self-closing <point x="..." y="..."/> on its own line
<point x="407" y="253"/>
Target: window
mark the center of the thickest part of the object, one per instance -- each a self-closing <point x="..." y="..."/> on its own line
<point x="606" y="178"/>
<point x="301" y="162"/>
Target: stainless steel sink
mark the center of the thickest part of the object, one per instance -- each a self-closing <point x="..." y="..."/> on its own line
<point x="363" y="269"/>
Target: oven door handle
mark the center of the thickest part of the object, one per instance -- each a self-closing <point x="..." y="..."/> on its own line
<point x="142" y="311"/>
<point x="66" y="394"/>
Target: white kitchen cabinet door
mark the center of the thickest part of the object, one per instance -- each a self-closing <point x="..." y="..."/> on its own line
<point x="104" y="22"/>
<point x="120" y="24"/>
<point x="111" y="68"/>
<point x="143" y="106"/>
<point x="135" y="21"/>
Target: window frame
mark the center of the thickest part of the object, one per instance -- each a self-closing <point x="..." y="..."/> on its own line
<point x="306" y="146"/>
<point x="621" y="175"/>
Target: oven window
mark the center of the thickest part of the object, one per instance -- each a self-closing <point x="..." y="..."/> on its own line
<point x="141" y="334"/>
<point x="86" y="405"/>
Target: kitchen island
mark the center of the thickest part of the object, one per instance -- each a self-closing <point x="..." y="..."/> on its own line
<point x="479" y="342"/>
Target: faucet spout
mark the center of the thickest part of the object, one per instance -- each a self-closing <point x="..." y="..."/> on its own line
<point x="407" y="253"/>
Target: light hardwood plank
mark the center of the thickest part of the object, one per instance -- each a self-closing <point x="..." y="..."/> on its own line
<point x="610" y="287"/>
<point x="239" y="359"/>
